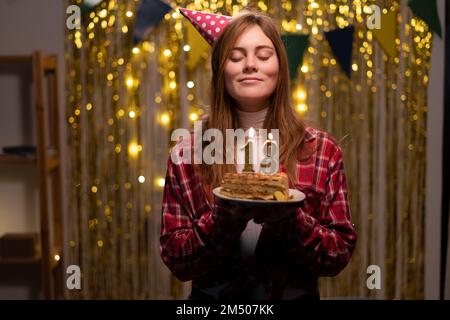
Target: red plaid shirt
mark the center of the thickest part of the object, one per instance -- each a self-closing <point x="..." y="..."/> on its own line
<point x="199" y="244"/>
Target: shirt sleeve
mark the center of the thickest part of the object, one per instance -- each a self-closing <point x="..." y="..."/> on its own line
<point x="324" y="242"/>
<point x="192" y="240"/>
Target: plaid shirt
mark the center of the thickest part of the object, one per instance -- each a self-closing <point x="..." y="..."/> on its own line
<point x="198" y="243"/>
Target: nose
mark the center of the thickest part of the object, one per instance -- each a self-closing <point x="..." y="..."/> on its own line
<point x="250" y="65"/>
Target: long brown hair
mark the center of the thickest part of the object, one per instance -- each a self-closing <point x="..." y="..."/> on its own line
<point x="280" y="115"/>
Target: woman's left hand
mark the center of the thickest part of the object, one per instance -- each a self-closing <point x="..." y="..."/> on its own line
<point x="273" y="214"/>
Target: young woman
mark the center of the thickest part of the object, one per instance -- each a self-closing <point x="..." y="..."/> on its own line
<point x="202" y="238"/>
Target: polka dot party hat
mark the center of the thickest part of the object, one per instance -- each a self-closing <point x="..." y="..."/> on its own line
<point x="209" y="25"/>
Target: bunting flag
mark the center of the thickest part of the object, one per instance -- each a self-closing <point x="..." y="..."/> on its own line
<point x="341" y="43"/>
<point x="386" y="35"/>
<point x="427" y="11"/>
<point x="198" y="46"/>
<point x="149" y="13"/>
<point x="295" y="45"/>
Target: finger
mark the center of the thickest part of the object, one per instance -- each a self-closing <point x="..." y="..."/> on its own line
<point x="258" y="220"/>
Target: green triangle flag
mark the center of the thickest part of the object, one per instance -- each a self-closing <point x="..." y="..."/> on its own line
<point x="427" y="11"/>
<point x="295" y="45"/>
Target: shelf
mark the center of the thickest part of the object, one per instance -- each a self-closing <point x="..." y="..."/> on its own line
<point x="16" y="159"/>
<point x="46" y="159"/>
<point x="52" y="160"/>
<point x="27" y="261"/>
<point x="24" y="58"/>
<point x="19" y="261"/>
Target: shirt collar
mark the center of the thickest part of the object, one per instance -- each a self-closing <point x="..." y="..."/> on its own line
<point x="310" y="134"/>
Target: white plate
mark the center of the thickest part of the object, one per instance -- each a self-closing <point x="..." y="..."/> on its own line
<point x="297" y="197"/>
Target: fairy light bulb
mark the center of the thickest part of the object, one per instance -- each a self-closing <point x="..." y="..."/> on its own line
<point x="160" y="182"/>
<point x="165" y="118"/>
<point x="301" y="107"/>
<point x="134" y="148"/>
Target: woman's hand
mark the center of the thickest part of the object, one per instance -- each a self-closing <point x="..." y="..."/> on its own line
<point x="234" y="212"/>
<point x="264" y="214"/>
<point x="273" y="214"/>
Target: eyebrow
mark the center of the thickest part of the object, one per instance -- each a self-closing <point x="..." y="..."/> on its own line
<point x="257" y="48"/>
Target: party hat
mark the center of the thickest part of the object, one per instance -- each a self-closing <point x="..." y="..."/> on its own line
<point x="208" y="24"/>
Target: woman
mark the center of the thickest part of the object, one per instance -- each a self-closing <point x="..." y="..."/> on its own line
<point x="202" y="239"/>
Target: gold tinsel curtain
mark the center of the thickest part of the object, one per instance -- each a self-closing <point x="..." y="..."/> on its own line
<point x="123" y="102"/>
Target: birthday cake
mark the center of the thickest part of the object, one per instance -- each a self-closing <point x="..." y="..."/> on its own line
<point x="249" y="185"/>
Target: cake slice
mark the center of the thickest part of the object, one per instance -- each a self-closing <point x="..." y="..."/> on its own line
<point x="248" y="185"/>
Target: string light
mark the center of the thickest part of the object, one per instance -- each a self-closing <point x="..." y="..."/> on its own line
<point x="160" y="182"/>
<point x="132" y="114"/>
<point x="129" y="14"/>
<point x="141" y="179"/>
<point x="135" y="50"/>
<point x="301" y="94"/>
<point x="165" y="118"/>
<point x="120" y="113"/>
<point x="103" y="13"/>
<point x="301" y="107"/>
<point x="186" y="47"/>
<point x="149" y="47"/>
<point x="190" y="84"/>
<point x="134" y="149"/>
<point x="130" y="82"/>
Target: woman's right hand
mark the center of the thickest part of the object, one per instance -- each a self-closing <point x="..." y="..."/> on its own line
<point x="234" y="212"/>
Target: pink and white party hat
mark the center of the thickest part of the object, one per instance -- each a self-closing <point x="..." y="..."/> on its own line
<point x="208" y="24"/>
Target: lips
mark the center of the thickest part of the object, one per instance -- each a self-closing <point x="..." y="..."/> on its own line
<point x="250" y="80"/>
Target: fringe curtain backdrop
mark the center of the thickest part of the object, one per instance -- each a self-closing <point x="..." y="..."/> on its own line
<point x="123" y="101"/>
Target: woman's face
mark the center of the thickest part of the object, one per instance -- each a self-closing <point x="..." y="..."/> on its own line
<point x="251" y="70"/>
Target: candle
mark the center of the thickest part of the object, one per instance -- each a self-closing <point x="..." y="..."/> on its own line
<point x="268" y="164"/>
<point x="270" y="145"/>
<point x="248" y="166"/>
